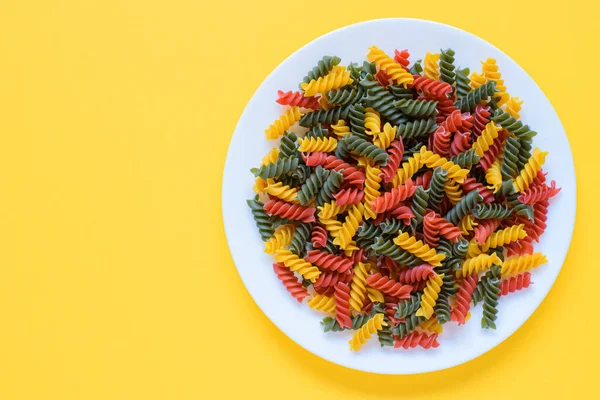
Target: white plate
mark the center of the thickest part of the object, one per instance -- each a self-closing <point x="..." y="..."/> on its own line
<point x="248" y="145"/>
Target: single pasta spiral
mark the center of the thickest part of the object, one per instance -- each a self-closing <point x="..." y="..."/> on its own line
<point x="317" y="144"/>
<point x="336" y="78"/>
<point x="358" y="287"/>
<point x="270" y="157"/>
<point x="287" y="119"/>
<point x="419" y="249"/>
<point x="392" y="199"/>
<point x="500" y="238"/>
<point x="453" y="191"/>
<point x="435" y="89"/>
<point x="432" y="160"/>
<point x="322" y="303"/>
<point x="340" y="129"/>
<point x="349" y="227"/>
<point x="530" y="170"/>
<point x="330" y="210"/>
<point x="318" y="236"/>
<point x="491" y="73"/>
<point x="415" y="339"/>
<point x="484" y="229"/>
<point x="478" y="264"/>
<point x="486" y="139"/>
<point x="372" y="184"/>
<point x="389" y="286"/>
<point x="290" y="282"/>
<point x="366" y="331"/>
<point x="342" y="304"/>
<point x="467" y="224"/>
<point x="281" y="238"/>
<point x="372" y="122"/>
<point x="297" y="264"/>
<point x="493" y="175"/>
<point x="277" y="189"/>
<point x="513" y="107"/>
<point x="431" y="67"/>
<point x="385" y="138"/>
<point x="407" y="170"/>
<point x="477" y="80"/>
<point x="432" y="325"/>
<point x="430" y="296"/>
<point x="519" y="264"/>
<point x="393" y="69"/>
<point x="328" y="261"/>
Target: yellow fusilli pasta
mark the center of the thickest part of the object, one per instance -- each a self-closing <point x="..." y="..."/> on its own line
<point x="391" y="67"/>
<point x="467" y="224"/>
<point x="513" y="107"/>
<point x="430" y="296"/>
<point x="407" y="170"/>
<point x="486" y="139"/>
<point x="358" y="287"/>
<point x="372" y="184"/>
<point x="281" y="238"/>
<point x="530" y="170"/>
<point x="279" y="126"/>
<point x="493" y="176"/>
<point x="372" y="122"/>
<point x="419" y="249"/>
<point x="322" y="303"/>
<point x="340" y="129"/>
<point x="336" y="78"/>
<point x="325" y="145"/>
<point x="478" y="264"/>
<point x="281" y="191"/>
<point x="297" y="264"/>
<point x="453" y="191"/>
<point x="432" y="160"/>
<point x="349" y="227"/>
<point x="519" y="264"/>
<point x="385" y="138"/>
<point x="431" y="69"/>
<point x="366" y="331"/>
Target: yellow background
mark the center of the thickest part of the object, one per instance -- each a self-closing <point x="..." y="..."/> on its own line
<point x="115" y="277"/>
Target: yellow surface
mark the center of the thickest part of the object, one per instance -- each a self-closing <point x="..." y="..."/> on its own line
<point x="112" y="252"/>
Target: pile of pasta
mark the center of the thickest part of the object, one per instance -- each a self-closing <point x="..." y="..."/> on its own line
<point x="399" y="195"/>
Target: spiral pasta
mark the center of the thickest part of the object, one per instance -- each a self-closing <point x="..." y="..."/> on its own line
<point x="530" y="170"/>
<point x="287" y="119"/>
<point x="395" y="71"/>
<point x="486" y="139"/>
<point x="336" y="78"/>
<point x="349" y="227"/>
<point x="430" y="296"/>
<point x="281" y="238"/>
<point x="322" y="303"/>
<point x="371" y="327"/>
<point x="520" y="264"/>
<point x="419" y="249"/>
<point x="431" y="69"/>
<point x="297" y="264"/>
<point x="478" y="264"/>
<point x="432" y="160"/>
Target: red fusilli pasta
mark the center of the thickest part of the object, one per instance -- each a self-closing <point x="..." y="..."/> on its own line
<point x="389" y="286"/>
<point x="328" y="261"/>
<point x="290" y="281"/>
<point x="297" y="99"/>
<point x="290" y="211"/>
